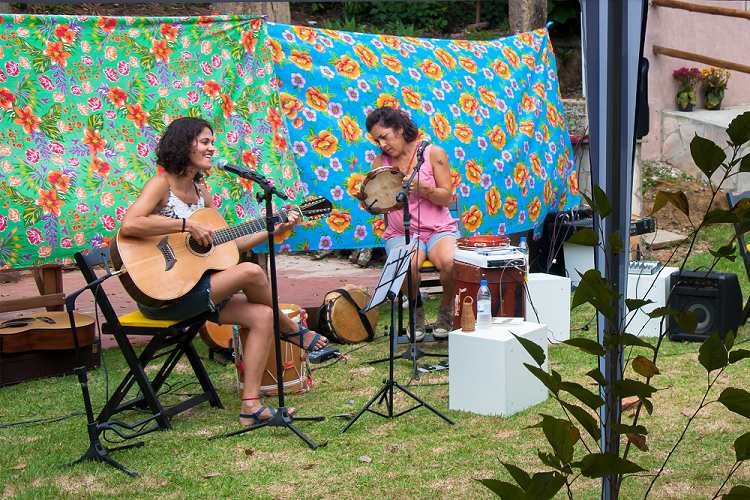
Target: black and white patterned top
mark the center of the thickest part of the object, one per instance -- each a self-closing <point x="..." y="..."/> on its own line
<point x="178" y="209"/>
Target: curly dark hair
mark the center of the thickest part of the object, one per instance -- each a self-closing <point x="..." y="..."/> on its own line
<point x="395" y="119"/>
<point x="177" y="142"/>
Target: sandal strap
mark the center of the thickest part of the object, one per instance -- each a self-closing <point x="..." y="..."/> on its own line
<point x="250" y="399"/>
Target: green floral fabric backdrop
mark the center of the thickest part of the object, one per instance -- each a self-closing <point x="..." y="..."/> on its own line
<point x="84" y="101"/>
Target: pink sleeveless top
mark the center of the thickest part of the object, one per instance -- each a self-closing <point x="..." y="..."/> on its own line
<point x="426" y="217"/>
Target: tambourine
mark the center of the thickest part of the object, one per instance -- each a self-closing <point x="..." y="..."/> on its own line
<point x="380" y="188"/>
<point x="482" y="241"/>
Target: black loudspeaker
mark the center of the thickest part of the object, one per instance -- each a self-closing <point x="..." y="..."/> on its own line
<point x="715" y="298"/>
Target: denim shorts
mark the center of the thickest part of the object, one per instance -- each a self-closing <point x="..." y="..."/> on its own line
<point x="396" y="241"/>
<point x="194" y="303"/>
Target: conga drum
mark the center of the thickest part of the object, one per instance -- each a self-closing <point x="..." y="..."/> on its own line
<point x="339" y="319"/>
<point x="380" y="188"/>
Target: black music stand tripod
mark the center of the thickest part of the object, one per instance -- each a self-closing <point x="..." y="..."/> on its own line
<point x="282" y="417"/>
<point x="387" y="288"/>
<point x="97" y="452"/>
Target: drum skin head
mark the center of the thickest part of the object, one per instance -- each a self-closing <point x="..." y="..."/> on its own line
<point x="380" y="187"/>
<point x="341" y="319"/>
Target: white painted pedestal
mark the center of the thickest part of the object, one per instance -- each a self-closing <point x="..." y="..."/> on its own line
<point x="638" y="285"/>
<point x="487" y="375"/>
<point x="549" y="299"/>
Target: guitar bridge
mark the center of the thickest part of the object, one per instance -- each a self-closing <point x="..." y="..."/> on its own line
<point x="167" y="253"/>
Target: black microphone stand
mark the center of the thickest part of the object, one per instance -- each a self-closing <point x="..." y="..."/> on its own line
<point x="282" y="417"/>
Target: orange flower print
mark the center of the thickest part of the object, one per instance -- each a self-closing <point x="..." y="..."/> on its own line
<point x="510" y="207"/>
<point x="469" y="104"/>
<point x="107" y="24"/>
<point x="100" y="167"/>
<point x="250" y="159"/>
<point x="502" y="69"/>
<point x="347" y="67"/>
<point x="473" y="171"/>
<point x="456" y="180"/>
<point x="392" y="63"/>
<point x="497" y="137"/>
<point x="387" y="100"/>
<point x="366" y="55"/>
<point x="468" y="64"/>
<point x="527" y="39"/>
<point x="529" y="61"/>
<point x="573" y="183"/>
<point x="212" y="88"/>
<point x="547" y="191"/>
<point x="117" y="96"/>
<point x="391" y="41"/>
<point x="538" y="89"/>
<point x="49" y="202"/>
<point x="64" y="33"/>
<point x="7" y="99"/>
<point x="248" y="40"/>
<point x="440" y="125"/>
<point x="276" y="51"/>
<point x="161" y="51"/>
<point x="324" y="143"/>
<point x="431" y="70"/>
<point x="350" y="130"/>
<point x="227" y="106"/>
<point x="510" y="123"/>
<point x="536" y="164"/>
<point x="552" y="117"/>
<point x="339" y="220"/>
<point x="472" y="219"/>
<point x="27" y="119"/>
<point x="309" y="35"/>
<point x="463" y="133"/>
<point x="465" y="44"/>
<point x="279" y="141"/>
<point x="298" y="122"/>
<point x="493" y="200"/>
<point x="274" y="118"/>
<point x="378" y="227"/>
<point x="59" y="180"/>
<point x="302" y="59"/>
<point x="169" y="31"/>
<point x="520" y="174"/>
<point x="137" y="114"/>
<point x="562" y="164"/>
<point x="545" y="132"/>
<point x="488" y="97"/>
<point x="528" y="103"/>
<point x="95" y="142"/>
<point x="534" y="209"/>
<point x="527" y="127"/>
<point x="447" y="60"/>
<point x="290" y="105"/>
<point x="354" y="183"/>
<point x="511" y="56"/>
<point x="316" y="99"/>
<point x="411" y="98"/>
<point x="562" y="201"/>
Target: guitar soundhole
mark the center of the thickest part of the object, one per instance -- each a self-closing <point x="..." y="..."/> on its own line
<point x="197" y="247"/>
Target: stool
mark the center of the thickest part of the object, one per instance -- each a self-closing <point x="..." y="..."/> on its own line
<point x="548" y="302"/>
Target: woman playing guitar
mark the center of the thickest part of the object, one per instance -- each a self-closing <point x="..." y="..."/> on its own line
<point x="184" y="152"/>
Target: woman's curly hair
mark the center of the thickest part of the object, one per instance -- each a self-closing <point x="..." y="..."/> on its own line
<point x="173" y="150"/>
<point x="395" y="119"/>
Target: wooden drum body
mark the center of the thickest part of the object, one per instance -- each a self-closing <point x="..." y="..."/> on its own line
<point x="380" y="188"/>
<point x="339" y="320"/>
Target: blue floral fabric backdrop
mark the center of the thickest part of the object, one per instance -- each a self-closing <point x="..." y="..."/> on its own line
<point x="494" y="106"/>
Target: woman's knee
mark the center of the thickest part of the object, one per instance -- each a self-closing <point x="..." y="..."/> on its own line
<point x="251" y="273"/>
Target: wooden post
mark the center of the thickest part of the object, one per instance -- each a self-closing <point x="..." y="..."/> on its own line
<point x="277" y="12"/>
<point x="703" y="9"/>
<point x="711" y="61"/>
<point x="527" y="15"/>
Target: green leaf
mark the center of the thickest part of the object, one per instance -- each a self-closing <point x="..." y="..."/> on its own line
<point x="706" y="155"/>
<point x="548" y="380"/>
<point x="630" y="339"/>
<point x="679" y="200"/>
<point x="553" y="486"/>
<point x="628" y="429"/>
<point x="503" y="489"/>
<point x="742" y="447"/>
<point x="520" y="476"/>
<point x="739" y="129"/>
<point x="32" y="215"/>
<point x="688" y="321"/>
<point x="50" y="130"/>
<point x="535" y="350"/>
<point x="626" y="388"/>
<point x="729" y="340"/>
<point x="585" y="237"/>
<point x="195" y="112"/>
<point x="635" y="304"/>
<point x="604" y="207"/>
<point x="557" y="432"/>
<point x="720" y="216"/>
<point x="586" y="345"/>
<point x="598" y="465"/>
<point x="738" y="492"/>
<point x="598" y="377"/>
<point x="585" y="396"/>
<point x="41" y="64"/>
<point x="738" y="355"/>
<point x="736" y="400"/>
<point x="539" y="485"/>
<point x="725" y="252"/>
<point x="587" y="421"/>
<point x="615" y="242"/>
<point x="712" y="354"/>
<point x="745" y="163"/>
<point x="648" y="405"/>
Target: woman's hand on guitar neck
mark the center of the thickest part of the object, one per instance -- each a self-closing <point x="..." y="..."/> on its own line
<point x="199" y="232"/>
<point x="293" y="220"/>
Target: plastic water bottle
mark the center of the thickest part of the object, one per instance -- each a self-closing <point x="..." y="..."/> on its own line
<point x="484" y="306"/>
<point x="524" y="249"/>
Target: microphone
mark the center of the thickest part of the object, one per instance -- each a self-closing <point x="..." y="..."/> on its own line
<point x="422" y="147"/>
<point x="224" y="165"/>
<point x="245" y="173"/>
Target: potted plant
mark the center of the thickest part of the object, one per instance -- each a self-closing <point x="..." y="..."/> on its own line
<point x="714" y="84"/>
<point x="688" y="78"/>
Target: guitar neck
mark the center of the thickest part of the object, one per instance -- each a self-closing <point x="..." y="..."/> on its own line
<point x="248" y="227"/>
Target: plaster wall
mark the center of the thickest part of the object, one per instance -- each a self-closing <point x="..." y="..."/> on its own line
<point x="725" y="38"/>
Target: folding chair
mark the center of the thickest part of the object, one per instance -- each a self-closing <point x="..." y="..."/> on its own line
<point x="429" y="274"/>
<point x="170" y="339"/>
<point x="733" y="199"/>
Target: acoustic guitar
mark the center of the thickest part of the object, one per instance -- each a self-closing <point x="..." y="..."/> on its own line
<point x="160" y="269"/>
<point x="44" y="331"/>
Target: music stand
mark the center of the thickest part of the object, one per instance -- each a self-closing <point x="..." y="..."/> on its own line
<point x="282" y="417"/>
<point x="387" y="288"/>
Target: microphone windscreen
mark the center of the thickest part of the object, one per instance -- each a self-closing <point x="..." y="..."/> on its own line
<point x="221" y="163"/>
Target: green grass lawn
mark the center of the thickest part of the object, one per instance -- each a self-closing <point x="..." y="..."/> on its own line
<point x="415" y="456"/>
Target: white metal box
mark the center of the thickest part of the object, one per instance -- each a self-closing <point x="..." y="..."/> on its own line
<point x="654" y="287"/>
<point x="487" y="375"/>
<point x="548" y="303"/>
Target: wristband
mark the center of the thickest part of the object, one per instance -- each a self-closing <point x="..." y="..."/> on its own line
<point x="183" y="225"/>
